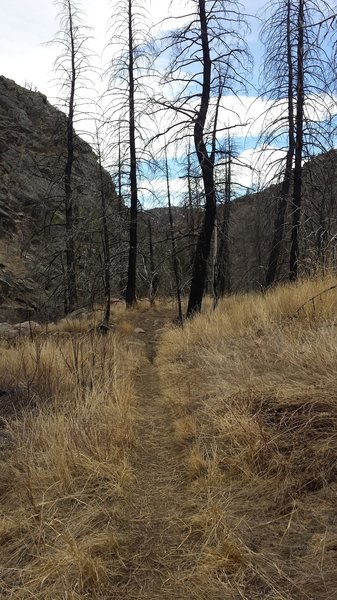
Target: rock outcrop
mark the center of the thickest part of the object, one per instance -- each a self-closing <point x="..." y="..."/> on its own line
<point x="32" y="161"/>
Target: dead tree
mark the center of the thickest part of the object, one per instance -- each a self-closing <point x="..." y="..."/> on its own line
<point x="175" y="262"/>
<point x="72" y="65"/>
<point x="126" y="73"/>
<point x="210" y="46"/>
<point x="296" y="76"/>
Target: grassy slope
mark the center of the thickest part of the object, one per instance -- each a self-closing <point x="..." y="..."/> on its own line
<point x="65" y="466"/>
<point x="253" y="392"/>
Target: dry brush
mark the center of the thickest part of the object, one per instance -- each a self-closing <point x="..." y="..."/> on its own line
<point x="65" y="464"/>
<point x="253" y="390"/>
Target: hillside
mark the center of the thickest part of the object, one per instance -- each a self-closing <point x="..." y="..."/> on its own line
<point x="250" y="230"/>
<point x="32" y="162"/>
<point x="160" y="462"/>
<point x="252" y="221"/>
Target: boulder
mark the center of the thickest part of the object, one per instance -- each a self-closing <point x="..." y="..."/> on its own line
<point x="4" y="327"/>
<point x="28" y="327"/>
<point x="8" y="331"/>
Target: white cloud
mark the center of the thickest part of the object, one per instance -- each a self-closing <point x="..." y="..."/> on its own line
<point x="167" y="14"/>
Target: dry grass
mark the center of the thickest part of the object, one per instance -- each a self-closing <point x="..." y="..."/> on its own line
<point x="185" y="429"/>
<point x="252" y="391"/>
<point x="65" y="467"/>
<point x="83" y="321"/>
<point x="125" y="327"/>
<point x="258" y="381"/>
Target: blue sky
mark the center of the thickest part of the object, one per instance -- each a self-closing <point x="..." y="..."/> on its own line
<point x="26" y="25"/>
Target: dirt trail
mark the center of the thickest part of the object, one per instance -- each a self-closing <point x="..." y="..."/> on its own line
<point x="157" y="530"/>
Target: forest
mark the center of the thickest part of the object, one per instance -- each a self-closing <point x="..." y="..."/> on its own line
<point x="164" y="115"/>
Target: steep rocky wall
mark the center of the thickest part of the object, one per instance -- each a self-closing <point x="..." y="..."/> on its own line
<point x="32" y="161"/>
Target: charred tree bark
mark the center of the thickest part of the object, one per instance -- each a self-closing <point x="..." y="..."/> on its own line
<point x="297" y="190"/>
<point x="207" y="169"/>
<point x="130" y="295"/>
<point x="282" y="200"/>
<point x="204" y="241"/>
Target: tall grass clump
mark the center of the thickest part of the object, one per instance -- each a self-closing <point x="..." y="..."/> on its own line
<point x="65" y="465"/>
<point x="257" y="378"/>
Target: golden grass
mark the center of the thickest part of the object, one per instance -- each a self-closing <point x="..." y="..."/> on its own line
<point x="185" y="429"/>
<point x="65" y="470"/>
<point x="258" y="379"/>
<point x="82" y="321"/>
<point x="74" y="325"/>
<point x="252" y="390"/>
<point x="125" y="327"/>
<point x="143" y="305"/>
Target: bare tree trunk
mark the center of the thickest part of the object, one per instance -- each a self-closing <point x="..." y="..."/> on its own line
<point x="154" y="278"/>
<point x="69" y="215"/>
<point x="106" y="247"/>
<point x="121" y="268"/>
<point x="214" y="259"/>
<point x="203" y="244"/>
<point x="222" y="285"/>
<point x="120" y="201"/>
<point x="282" y="200"/>
<point x="297" y="191"/>
<point x="224" y="280"/>
<point x="132" y="265"/>
<point x="207" y="168"/>
<point x="190" y="212"/>
<point x="175" y="262"/>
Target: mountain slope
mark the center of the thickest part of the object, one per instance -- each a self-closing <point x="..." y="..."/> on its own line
<point x="32" y="162"/>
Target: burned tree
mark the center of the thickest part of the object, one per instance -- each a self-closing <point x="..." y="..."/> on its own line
<point x="206" y="49"/>
<point x="72" y="65"/>
<point x="126" y="91"/>
<point x="295" y="82"/>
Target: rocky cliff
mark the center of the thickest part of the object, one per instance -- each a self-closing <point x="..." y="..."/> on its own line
<point x="32" y="160"/>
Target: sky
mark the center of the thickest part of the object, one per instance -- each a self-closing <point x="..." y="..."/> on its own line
<point x="26" y="26"/>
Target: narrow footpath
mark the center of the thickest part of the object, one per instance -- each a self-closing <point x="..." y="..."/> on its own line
<point x="156" y="550"/>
